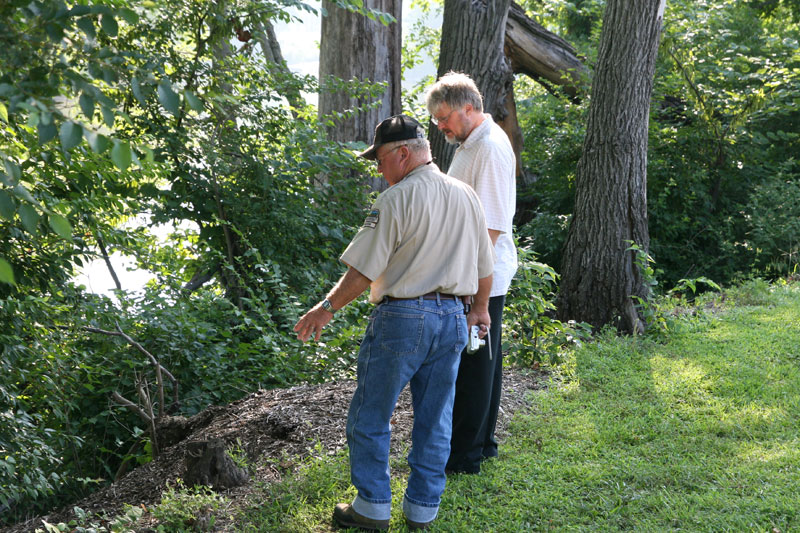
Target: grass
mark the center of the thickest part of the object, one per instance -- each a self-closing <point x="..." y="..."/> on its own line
<point x="697" y="430"/>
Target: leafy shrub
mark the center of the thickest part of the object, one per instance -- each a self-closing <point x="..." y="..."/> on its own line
<point x="532" y="335"/>
<point x="188" y="508"/>
<point x="773" y="217"/>
<point x="87" y="522"/>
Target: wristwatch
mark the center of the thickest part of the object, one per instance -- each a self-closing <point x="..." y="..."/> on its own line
<point x="326" y="305"/>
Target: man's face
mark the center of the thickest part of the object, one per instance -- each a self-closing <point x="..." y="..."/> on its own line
<point x="455" y="124"/>
<point x="388" y="160"/>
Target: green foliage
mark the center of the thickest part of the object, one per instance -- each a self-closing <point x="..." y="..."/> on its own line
<point x="773" y="223"/>
<point x="723" y="136"/>
<point x="188" y="508"/>
<point x="179" y="129"/>
<point x="87" y="522"/>
<point x="532" y="335"/>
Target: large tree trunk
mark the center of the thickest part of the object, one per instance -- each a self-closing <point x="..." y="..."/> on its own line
<point x="354" y="47"/>
<point x="491" y="41"/>
<point x="600" y="278"/>
<point x="473" y="34"/>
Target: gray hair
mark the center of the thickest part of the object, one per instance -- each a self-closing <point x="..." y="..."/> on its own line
<point x="414" y="145"/>
<point x="456" y="90"/>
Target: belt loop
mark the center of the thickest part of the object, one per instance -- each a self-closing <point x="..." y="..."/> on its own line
<point x="438" y="299"/>
<point x="420" y="300"/>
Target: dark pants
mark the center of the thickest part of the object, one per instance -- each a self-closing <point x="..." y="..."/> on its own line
<point x="478" y="389"/>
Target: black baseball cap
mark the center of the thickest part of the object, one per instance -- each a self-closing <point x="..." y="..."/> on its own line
<point x="396" y="128"/>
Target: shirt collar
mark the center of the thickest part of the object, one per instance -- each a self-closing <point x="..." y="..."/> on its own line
<point x="481" y="131"/>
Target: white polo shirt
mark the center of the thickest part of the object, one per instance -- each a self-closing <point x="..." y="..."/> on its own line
<point x="426" y="233"/>
<point x="486" y="162"/>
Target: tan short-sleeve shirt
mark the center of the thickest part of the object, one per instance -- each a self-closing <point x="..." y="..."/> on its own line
<point x="426" y="233"/>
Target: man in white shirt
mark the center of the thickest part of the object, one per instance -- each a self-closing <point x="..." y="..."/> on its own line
<point x="484" y="160"/>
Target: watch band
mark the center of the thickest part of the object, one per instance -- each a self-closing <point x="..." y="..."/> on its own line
<point x="326" y="305"/>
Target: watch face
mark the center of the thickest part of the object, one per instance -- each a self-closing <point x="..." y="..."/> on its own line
<point x="326" y="305"/>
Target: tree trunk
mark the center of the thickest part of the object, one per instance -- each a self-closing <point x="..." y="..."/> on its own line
<point x="208" y="463"/>
<point x="473" y="34"/>
<point x="354" y="47"/>
<point x="600" y="279"/>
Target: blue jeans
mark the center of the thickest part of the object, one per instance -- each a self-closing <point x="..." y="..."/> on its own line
<point x="407" y="341"/>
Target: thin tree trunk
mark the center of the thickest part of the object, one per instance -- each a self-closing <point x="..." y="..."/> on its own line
<point x="601" y="282"/>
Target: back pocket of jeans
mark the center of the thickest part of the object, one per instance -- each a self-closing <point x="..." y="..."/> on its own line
<point x="401" y="333"/>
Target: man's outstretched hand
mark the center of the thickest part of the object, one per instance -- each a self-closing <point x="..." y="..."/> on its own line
<point x="311" y="323"/>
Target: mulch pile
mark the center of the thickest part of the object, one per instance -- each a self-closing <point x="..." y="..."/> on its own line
<point x="274" y="427"/>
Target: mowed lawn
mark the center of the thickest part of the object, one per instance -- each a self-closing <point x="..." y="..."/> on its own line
<point x="694" y="430"/>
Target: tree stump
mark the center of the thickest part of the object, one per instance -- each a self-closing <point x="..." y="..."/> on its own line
<point x="207" y="463"/>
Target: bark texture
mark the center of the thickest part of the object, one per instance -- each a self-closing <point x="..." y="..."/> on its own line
<point x="354" y="47"/>
<point x="542" y="55"/>
<point x="600" y="279"/>
<point x="207" y="463"/>
<point x="473" y="34"/>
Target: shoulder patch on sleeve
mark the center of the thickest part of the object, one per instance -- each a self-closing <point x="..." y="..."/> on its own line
<point x="372" y="218"/>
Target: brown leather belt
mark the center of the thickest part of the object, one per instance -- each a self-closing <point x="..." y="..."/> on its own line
<point x="429" y="296"/>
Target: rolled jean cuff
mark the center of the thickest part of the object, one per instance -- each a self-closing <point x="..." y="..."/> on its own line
<point x="374" y="511"/>
<point x="419" y="511"/>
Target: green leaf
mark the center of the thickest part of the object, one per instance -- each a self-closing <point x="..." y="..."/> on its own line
<point x="168" y="98"/>
<point x="137" y="90"/>
<point x="30" y="218"/>
<point x="108" y="116"/>
<point x="46" y="132"/>
<point x="193" y="101"/>
<point x="6" y="272"/>
<point x="3" y="112"/>
<point x="98" y="142"/>
<point x="61" y="226"/>
<point x="130" y="16"/>
<point x="7" y="206"/>
<point x="54" y="31"/>
<point x="95" y="70"/>
<point x="121" y="154"/>
<point x="21" y="192"/>
<point x="109" y="25"/>
<point x="13" y="170"/>
<point x="71" y="135"/>
<point x="79" y="11"/>
<point x="87" y="105"/>
<point x="87" y="26"/>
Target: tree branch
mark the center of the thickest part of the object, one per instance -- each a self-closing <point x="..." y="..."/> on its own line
<point x="107" y="259"/>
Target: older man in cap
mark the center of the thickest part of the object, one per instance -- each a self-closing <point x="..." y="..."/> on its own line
<point x="423" y="248"/>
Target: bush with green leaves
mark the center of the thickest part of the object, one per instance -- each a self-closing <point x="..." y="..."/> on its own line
<point x="87" y="522"/>
<point x="110" y="114"/>
<point x="532" y="335"/>
<point x="187" y="508"/>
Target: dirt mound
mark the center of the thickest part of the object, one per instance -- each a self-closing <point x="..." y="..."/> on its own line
<point x="273" y="427"/>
